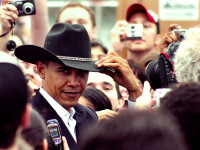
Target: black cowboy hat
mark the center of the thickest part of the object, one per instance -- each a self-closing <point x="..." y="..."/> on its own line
<point x="65" y="44"/>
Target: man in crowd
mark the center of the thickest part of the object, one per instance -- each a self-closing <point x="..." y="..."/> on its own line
<point x="137" y="49"/>
<point x="14" y="108"/>
<point x="64" y="64"/>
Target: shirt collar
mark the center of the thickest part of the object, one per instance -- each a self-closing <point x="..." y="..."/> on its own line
<point x="60" y="110"/>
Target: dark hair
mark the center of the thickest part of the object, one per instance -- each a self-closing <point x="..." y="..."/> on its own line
<point x="99" y="100"/>
<point x="14" y="97"/>
<point x="138" y="70"/>
<point x="141" y="130"/>
<point x="96" y="43"/>
<point x="184" y="103"/>
<point x="36" y="132"/>
<point x="77" y="4"/>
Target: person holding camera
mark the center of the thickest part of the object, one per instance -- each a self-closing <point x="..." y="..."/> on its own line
<point x="140" y="44"/>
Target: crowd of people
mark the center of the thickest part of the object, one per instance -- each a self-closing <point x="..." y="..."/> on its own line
<point x="98" y="99"/>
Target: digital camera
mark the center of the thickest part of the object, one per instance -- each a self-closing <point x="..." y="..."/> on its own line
<point x="134" y="31"/>
<point x="24" y="7"/>
<point x="160" y="73"/>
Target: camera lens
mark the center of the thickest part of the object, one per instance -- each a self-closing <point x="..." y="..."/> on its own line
<point x="28" y="8"/>
<point x="152" y="74"/>
<point x="11" y="45"/>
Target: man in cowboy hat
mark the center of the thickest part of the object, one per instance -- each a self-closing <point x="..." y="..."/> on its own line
<point x="64" y="64"/>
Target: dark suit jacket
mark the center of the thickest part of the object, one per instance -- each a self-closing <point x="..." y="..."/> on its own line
<point x="84" y="117"/>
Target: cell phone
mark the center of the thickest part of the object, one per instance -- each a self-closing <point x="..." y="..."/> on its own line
<point x="55" y="133"/>
<point x="134" y="31"/>
<point x="160" y="93"/>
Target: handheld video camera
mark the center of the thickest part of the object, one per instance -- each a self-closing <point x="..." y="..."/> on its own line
<point x="134" y="31"/>
<point x="24" y="7"/>
<point x="160" y="73"/>
<point x="55" y="133"/>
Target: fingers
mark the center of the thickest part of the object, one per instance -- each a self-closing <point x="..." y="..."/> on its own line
<point x="8" y="14"/>
<point x="111" y="59"/>
<point x="65" y="144"/>
<point x="106" y="114"/>
<point x="173" y="26"/>
<point x="146" y="89"/>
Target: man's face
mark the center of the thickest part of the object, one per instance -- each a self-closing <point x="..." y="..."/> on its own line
<point x="149" y="36"/>
<point x="63" y="83"/>
<point x="78" y="15"/>
<point x="97" y="53"/>
<point x="106" y="84"/>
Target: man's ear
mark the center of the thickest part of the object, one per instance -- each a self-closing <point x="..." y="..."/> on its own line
<point x="157" y="40"/>
<point x="94" y="33"/>
<point x="26" y="118"/>
<point x="41" y="69"/>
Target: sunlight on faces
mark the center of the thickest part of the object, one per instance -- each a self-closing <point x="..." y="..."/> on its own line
<point x="149" y="36"/>
<point x="64" y="84"/>
<point x="106" y="84"/>
<point x="77" y="15"/>
<point x="97" y="53"/>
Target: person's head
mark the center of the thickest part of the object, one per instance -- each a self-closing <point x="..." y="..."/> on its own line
<point x="14" y="109"/>
<point x="140" y="130"/>
<point x="183" y="101"/>
<point x="95" y="99"/>
<point x="187" y="57"/>
<point x="77" y="13"/>
<point x="64" y="62"/>
<point x="150" y="57"/>
<point x="138" y="70"/>
<point x="106" y="84"/>
<point x="98" y="50"/>
<point x="36" y="133"/>
<point x="138" y="14"/>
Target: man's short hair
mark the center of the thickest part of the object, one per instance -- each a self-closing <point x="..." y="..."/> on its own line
<point x="183" y="101"/>
<point x="77" y="4"/>
<point x="95" y="43"/>
<point x="140" y="130"/>
<point x="36" y="132"/>
<point x="14" y="97"/>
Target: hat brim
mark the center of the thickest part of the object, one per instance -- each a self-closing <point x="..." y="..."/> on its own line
<point x="32" y="53"/>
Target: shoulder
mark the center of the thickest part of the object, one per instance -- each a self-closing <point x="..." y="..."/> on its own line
<point x="86" y="112"/>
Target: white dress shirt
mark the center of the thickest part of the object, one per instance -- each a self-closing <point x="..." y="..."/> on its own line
<point x="66" y="116"/>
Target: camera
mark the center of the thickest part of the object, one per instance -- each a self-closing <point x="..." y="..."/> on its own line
<point x="134" y="31"/>
<point x="55" y="133"/>
<point x="24" y="7"/>
<point x="160" y="73"/>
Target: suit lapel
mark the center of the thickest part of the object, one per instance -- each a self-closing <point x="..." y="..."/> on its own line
<point x="44" y="108"/>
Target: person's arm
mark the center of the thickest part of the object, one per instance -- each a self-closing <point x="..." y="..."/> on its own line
<point x="8" y="14"/>
<point x="168" y="38"/>
<point x="106" y="114"/>
<point x="40" y="23"/>
<point x="122" y="74"/>
<point x="117" y="35"/>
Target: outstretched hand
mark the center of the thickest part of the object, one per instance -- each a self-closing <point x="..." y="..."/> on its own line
<point x="121" y="73"/>
<point x="169" y="37"/>
<point x="145" y="101"/>
<point x="8" y="14"/>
